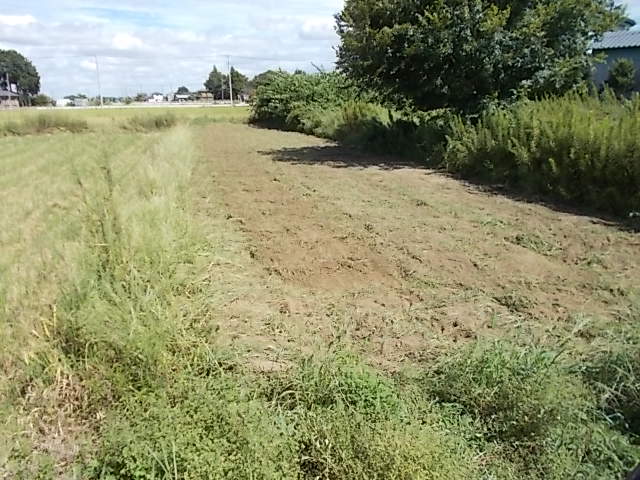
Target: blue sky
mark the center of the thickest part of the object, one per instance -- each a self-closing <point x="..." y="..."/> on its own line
<point x="158" y="45"/>
<point x="147" y="45"/>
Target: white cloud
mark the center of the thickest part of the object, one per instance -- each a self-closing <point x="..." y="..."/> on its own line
<point x="88" y="65"/>
<point x="17" y="20"/>
<point x="318" y="28"/>
<point x="137" y="40"/>
<point x="126" y="41"/>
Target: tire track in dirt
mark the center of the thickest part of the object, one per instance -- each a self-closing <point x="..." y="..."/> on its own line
<point x="399" y="256"/>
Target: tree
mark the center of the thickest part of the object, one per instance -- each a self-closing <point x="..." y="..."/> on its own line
<point x="182" y="91"/>
<point x="21" y="73"/>
<point x="264" y="78"/>
<point x="239" y="82"/>
<point x="215" y="83"/>
<point x="42" y="100"/>
<point x="622" y="76"/>
<point x="141" y="97"/>
<point x="461" y="53"/>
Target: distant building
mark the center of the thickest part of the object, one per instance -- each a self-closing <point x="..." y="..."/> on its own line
<point x="203" y="96"/>
<point x="614" y="46"/>
<point x="181" y="97"/>
<point x="156" y="98"/>
<point x="9" y="99"/>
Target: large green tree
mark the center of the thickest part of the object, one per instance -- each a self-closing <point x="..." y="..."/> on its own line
<point x="239" y="82"/>
<point x="215" y="82"/>
<point x="461" y="53"/>
<point x="218" y="83"/>
<point x="21" y="72"/>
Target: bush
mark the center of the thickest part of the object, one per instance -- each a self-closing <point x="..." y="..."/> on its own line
<point x="326" y="105"/>
<point x="579" y="149"/>
<point x="622" y="76"/>
<point x="42" y="100"/>
<point x="283" y="100"/>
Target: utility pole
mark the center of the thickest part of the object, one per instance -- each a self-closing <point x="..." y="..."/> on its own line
<point x="98" y="76"/>
<point x="230" y="81"/>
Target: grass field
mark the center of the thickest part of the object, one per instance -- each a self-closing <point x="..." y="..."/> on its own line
<point x="213" y="300"/>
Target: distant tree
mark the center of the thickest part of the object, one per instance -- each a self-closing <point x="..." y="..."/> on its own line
<point x="41" y="100"/>
<point x="215" y="83"/>
<point x="21" y="72"/>
<point x="462" y="53"/>
<point x="182" y="91"/>
<point x="239" y="82"/>
<point x="141" y="97"/>
<point x="622" y="76"/>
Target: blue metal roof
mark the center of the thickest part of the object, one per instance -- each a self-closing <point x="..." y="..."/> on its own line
<point x="621" y="39"/>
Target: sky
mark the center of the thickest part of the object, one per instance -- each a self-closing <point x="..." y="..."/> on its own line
<point x="159" y="45"/>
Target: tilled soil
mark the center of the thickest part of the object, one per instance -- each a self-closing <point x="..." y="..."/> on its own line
<point x="319" y="243"/>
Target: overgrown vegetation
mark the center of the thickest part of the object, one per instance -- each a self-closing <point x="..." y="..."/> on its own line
<point x="151" y="122"/>
<point x="43" y="123"/>
<point x="124" y="362"/>
<point x="580" y="148"/>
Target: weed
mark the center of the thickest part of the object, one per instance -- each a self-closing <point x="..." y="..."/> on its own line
<point x="148" y="123"/>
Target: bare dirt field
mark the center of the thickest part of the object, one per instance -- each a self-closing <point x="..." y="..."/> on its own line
<point x="322" y="244"/>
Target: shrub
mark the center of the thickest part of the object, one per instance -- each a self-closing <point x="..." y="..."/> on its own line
<point x="622" y="76"/>
<point x="284" y="99"/>
<point x="579" y="149"/>
<point x="42" y="100"/>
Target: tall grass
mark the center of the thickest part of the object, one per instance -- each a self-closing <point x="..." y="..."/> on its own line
<point x="580" y="148"/>
<point x="151" y="122"/>
<point x="42" y="123"/>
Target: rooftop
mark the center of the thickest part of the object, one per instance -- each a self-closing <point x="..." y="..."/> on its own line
<point x="621" y="39"/>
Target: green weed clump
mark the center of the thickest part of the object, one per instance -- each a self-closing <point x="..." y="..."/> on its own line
<point x="533" y="413"/>
<point x="580" y="149"/>
<point x="350" y="421"/>
<point x="151" y="122"/>
<point x="195" y="428"/>
<point x="612" y="368"/>
<point x="43" y="123"/>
